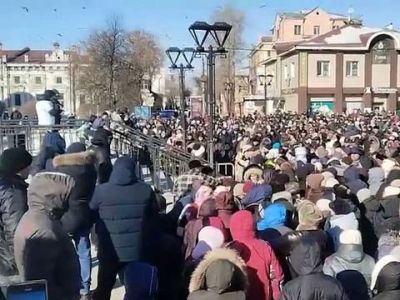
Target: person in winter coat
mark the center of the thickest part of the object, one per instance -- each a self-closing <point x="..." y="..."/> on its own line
<point x="141" y="281"/>
<point x="14" y="169"/>
<point x="43" y="249"/>
<point x="386" y="279"/>
<point x="264" y="271"/>
<point x="121" y="204"/>
<point x="226" y="206"/>
<point x="221" y="275"/>
<point x="376" y="176"/>
<point x="43" y="161"/>
<point x="207" y="216"/>
<point x="101" y="145"/>
<point x="306" y="260"/>
<point x="350" y="256"/>
<point x="273" y="223"/>
<point x="77" y="220"/>
<point x="55" y="141"/>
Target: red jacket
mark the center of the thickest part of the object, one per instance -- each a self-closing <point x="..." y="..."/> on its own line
<point x="264" y="271"/>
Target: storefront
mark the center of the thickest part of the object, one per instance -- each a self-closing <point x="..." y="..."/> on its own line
<point x="321" y="104"/>
<point x="354" y="104"/>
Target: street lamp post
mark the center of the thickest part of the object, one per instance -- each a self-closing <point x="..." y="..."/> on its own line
<point x="219" y="32"/>
<point x="188" y="54"/>
<point x="265" y="81"/>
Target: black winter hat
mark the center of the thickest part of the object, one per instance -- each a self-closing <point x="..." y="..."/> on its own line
<point x="76" y="148"/>
<point x="14" y="160"/>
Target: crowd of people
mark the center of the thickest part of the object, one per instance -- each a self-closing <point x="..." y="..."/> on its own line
<point x="309" y="210"/>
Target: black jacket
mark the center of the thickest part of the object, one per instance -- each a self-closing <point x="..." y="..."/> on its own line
<point x="121" y="204"/>
<point x="388" y="282"/>
<point x="306" y="260"/>
<point x="79" y="166"/>
<point x="103" y="164"/>
<point x="13" y="205"/>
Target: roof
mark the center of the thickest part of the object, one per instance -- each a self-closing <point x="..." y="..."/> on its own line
<point x="35" y="56"/>
<point x="303" y="13"/>
<point x="349" y="37"/>
<point x="266" y="39"/>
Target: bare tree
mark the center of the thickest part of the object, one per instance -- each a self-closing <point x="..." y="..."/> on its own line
<point x="225" y="67"/>
<point x="117" y="63"/>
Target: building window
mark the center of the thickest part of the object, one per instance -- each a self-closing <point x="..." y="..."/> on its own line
<point x="268" y="53"/>
<point x="17" y="79"/>
<point x="82" y="99"/>
<point x="38" y="80"/>
<point x="61" y="96"/>
<point x="17" y="100"/>
<point x="292" y="70"/>
<point x="323" y="68"/>
<point x="297" y="29"/>
<point x="286" y="72"/>
<point x="335" y="27"/>
<point x="352" y="68"/>
<point x="316" y="30"/>
<point x="59" y="80"/>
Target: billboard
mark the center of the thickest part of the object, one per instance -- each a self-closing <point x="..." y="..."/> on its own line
<point x="196" y="106"/>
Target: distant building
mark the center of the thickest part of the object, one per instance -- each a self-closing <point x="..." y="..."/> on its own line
<point x="353" y="67"/>
<point x="268" y="57"/>
<point x="27" y="73"/>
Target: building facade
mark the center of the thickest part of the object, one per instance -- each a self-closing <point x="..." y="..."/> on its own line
<point x="26" y="73"/>
<point x="350" y="68"/>
<point x="289" y="30"/>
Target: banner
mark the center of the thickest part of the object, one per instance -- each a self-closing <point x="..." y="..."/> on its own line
<point x="143" y="112"/>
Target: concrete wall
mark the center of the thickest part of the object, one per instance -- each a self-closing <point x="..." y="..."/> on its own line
<point x="349" y="81"/>
<point x="380" y="75"/>
<point x="318" y="81"/>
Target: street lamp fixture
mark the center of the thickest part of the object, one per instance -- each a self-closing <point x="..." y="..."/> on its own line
<point x="220" y="32"/>
<point x="265" y="80"/>
<point x="188" y="54"/>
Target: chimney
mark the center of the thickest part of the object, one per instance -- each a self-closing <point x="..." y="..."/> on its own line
<point x="26" y="58"/>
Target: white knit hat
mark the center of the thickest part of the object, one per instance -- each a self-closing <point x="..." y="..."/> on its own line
<point x="391" y="191"/>
<point x="363" y="194"/>
<point x="350" y="236"/>
<point x="212" y="236"/>
<point x="329" y="182"/>
<point x="387" y="166"/>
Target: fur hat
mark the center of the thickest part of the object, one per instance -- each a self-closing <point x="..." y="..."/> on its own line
<point x="321" y="152"/>
<point x="329" y="183"/>
<point x="310" y="216"/>
<point x="350" y="236"/>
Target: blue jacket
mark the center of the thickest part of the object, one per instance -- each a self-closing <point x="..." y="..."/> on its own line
<point x="121" y="204"/>
<point x="274" y="216"/>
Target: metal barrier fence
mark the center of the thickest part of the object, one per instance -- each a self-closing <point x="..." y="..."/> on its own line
<point x="166" y="163"/>
<point x="225" y="169"/>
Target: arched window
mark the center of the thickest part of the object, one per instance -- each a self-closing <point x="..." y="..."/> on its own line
<point x="380" y="50"/>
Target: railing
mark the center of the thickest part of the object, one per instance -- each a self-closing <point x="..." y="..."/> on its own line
<point x="166" y="163"/>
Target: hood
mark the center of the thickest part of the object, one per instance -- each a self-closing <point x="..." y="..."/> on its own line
<point x="376" y="175"/>
<point x="202" y="194"/>
<point x="242" y="225"/>
<point x="384" y="261"/>
<point x="257" y="194"/>
<point x="74" y="159"/>
<point x="389" y="278"/>
<point x="218" y="270"/>
<point x="393" y="175"/>
<point x="49" y="191"/>
<point x="305" y="258"/>
<point x="124" y="171"/>
<point x="351" y="174"/>
<point x="274" y="216"/>
<point x="207" y="208"/>
<point x="314" y="181"/>
<point x="351" y="252"/>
